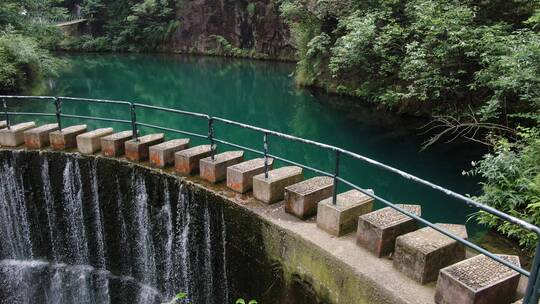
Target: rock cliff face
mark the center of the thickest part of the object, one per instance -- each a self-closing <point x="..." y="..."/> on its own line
<point x="254" y="26"/>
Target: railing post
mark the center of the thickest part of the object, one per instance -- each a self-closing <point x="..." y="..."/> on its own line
<point x="211" y="136"/>
<point x="135" y="132"/>
<point x="4" y="102"/>
<point x="531" y="293"/>
<point x="265" y="146"/>
<point x="336" y="173"/>
<point x="58" y="106"/>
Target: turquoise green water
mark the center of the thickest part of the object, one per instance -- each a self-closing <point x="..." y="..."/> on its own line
<point x="263" y="94"/>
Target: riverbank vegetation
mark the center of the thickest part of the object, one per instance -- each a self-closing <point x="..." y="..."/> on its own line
<point x="24" y="43"/>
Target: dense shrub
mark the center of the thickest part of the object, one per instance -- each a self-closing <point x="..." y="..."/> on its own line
<point x="512" y="184"/>
<point x="22" y="61"/>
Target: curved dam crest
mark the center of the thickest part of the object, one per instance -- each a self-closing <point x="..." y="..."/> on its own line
<point x="103" y="230"/>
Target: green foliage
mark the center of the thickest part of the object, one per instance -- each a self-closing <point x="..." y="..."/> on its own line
<point x="512" y="184"/>
<point x="22" y="61"/>
<point x="225" y="48"/>
<point x="145" y="24"/>
<point x="418" y="55"/>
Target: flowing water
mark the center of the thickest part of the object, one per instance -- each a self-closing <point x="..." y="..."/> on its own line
<point x="108" y="239"/>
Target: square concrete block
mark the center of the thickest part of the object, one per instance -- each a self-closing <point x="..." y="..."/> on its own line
<point x="3" y="124"/>
<point x="301" y="199"/>
<point x="138" y="149"/>
<point x="240" y="177"/>
<point x="422" y="253"/>
<point x="187" y="161"/>
<point x="377" y="231"/>
<point x="271" y="189"/>
<point x="216" y="170"/>
<point x="14" y="136"/>
<point x="342" y="218"/>
<point x="113" y="145"/>
<point x="90" y="142"/>
<point x="162" y="155"/>
<point x="67" y="138"/>
<point x="478" y="280"/>
<point x="38" y="138"/>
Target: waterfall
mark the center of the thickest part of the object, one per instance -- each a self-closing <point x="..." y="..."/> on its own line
<point x="158" y="238"/>
<point x="54" y="235"/>
<point x="73" y="211"/>
<point x="145" y="263"/>
<point x="98" y="224"/>
<point x="14" y="228"/>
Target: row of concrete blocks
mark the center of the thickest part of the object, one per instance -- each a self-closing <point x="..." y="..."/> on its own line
<point x="424" y="255"/>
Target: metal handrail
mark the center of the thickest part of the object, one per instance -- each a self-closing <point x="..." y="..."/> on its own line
<point x="532" y="292"/>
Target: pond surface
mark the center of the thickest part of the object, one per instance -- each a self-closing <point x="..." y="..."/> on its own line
<point x="263" y="94"/>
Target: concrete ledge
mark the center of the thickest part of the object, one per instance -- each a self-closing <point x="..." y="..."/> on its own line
<point x="14" y="136"/>
<point x="67" y="138"/>
<point x="301" y="198"/>
<point x="138" y="149"/>
<point x="113" y="145"/>
<point x="39" y="137"/>
<point x="3" y="124"/>
<point x="377" y="231"/>
<point x="333" y="270"/>
<point x="342" y="218"/>
<point x="478" y="280"/>
<point x="422" y="253"/>
<point x="187" y="161"/>
<point x="90" y="142"/>
<point x="216" y="170"/>
<point x="240" y="177"/>
<point x="270" y="190"/>
<point x="162" y="155"/>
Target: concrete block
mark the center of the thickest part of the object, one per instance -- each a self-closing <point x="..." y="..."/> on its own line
<point x="378" y="230"/>
<point x="342" y="218"/>
<point x="67" y="138"/>
<point x="3" y="124"/>
<point x="138" y="149"/>
<point x="216" y="170"/>
<point x="14" y="136"/>
<point x="113" y="145"/>
<point x="422" y="253"/>
<point x="90" y="142"/>
<point x="478" y="280"/>
<point x="38" y="138"/>
<point x="301" y="199"/>
<point x="162" y="155"/>
<point x="271" y="189"/>
<point x="187" y="161"/>
<point x="240" y="177"/>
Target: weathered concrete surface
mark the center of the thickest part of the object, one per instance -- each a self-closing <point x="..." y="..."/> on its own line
<point x="113" y="145"/>
<point x="90" y="142"/>
<point x="215" y="170"/>
<point x="240" y="177"/>
<point x="138" y="149"/>
<point x="38" y="138"/>
<point x="14" y="136"/>
<point x="271" y="190"/>
<point x="3" y="124"/>
<point x="187" y="161"/>
<point x="341" y="218"/>
<point x="378" y="230"/>
<point x="301" y="199"/>
<point x="422" y="253"/>
<point x="304" y="264"/>
<point x="67" y="138"/>
<point x="162" y="155"/>
<point x="478" y="280"/>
